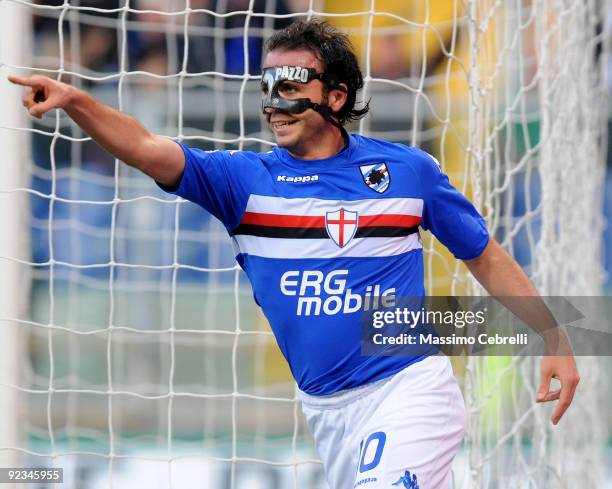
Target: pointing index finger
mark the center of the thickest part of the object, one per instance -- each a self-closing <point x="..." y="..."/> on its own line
<point x="26" y="82"/>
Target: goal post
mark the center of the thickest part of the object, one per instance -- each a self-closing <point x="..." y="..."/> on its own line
<point x="15" y="49"/>
<point x="131" y="350"/>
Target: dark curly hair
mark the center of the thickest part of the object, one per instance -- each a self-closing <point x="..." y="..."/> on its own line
<point x="334" y="49"/>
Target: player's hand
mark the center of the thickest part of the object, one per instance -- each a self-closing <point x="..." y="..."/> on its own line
<point x="43" y="94"/>
<point x="559" y="365"/>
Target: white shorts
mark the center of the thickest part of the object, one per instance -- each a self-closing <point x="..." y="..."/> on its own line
<point x="400" y="432"/>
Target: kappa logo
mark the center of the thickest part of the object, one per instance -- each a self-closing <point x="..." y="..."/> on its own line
<point x="407" y="481"/>
<point x="298" y="179"/>
<point x="376" y="176"/>
<point x="341" y="226"/>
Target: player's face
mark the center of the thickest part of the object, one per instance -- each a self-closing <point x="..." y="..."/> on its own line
<point x="298" y="133"/>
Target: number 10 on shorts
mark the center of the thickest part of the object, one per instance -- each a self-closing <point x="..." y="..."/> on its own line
<point x="370" y="451"/>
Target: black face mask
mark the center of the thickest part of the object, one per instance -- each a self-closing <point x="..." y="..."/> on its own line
<point x="273" y="77"/>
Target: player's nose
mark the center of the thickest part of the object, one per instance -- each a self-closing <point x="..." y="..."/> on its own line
<point x="269" y="112"/>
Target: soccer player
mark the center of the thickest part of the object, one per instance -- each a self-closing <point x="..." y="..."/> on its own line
<point x="325" y="224"/>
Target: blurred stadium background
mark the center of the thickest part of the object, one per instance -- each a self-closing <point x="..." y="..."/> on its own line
<point x="142" y="359"/>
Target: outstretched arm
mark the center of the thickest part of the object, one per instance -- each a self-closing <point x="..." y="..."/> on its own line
<point x="503" y="278"/>
<point x="116" y="132"/>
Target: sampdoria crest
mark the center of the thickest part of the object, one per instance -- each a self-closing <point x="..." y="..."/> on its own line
<point x="376" y="176"/>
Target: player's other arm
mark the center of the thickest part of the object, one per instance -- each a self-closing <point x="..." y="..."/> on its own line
<point x="503" y="278"/>
<point x="116" y="132"/>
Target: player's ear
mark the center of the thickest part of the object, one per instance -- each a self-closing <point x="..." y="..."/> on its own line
<point x="337" y="98"/>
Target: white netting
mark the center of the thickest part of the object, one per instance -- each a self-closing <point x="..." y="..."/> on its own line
<point x="147" y="363"/>
<point x="560" y="175"/>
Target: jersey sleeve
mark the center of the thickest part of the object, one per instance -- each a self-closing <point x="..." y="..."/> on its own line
<point x="448" y="214"/>
<point x="215" y="180"/>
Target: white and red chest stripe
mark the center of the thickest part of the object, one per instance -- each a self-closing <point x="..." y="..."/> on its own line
<point x="276" y="227"/>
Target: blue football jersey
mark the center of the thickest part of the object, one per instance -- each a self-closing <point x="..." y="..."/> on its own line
<point x="319" y="238"/>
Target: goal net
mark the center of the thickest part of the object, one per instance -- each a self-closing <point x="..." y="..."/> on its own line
<point x="131" y="351"/>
